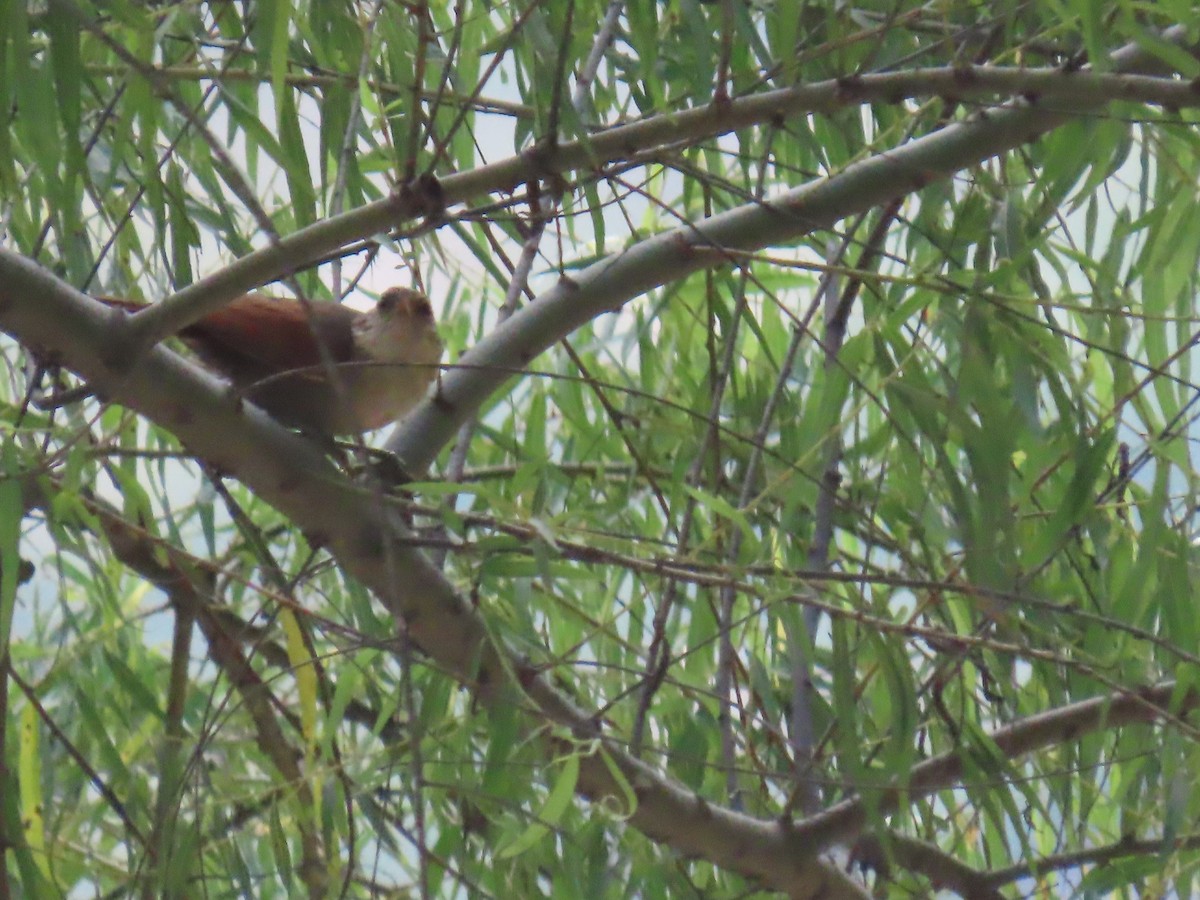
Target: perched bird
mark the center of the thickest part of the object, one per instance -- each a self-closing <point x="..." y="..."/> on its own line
<point x="322" y="366"/>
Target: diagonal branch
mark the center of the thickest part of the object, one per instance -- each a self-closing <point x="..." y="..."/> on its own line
<point x="942" y="869"/>
<point x="845" y="820"/>
<point x="607" y="285"/>
<point x="373" y="545"/>
<point x="1052" y="97"/>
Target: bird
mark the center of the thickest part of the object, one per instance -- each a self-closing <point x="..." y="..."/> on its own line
<point x="321" y="367"/>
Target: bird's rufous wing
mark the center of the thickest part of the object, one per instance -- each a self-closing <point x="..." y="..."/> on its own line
<point x="268" y="333"/>
<point x="277" y="334"/>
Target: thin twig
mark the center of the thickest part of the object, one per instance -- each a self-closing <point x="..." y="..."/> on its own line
<point x="581" y="98"/>
<point x="512" y="299"/>
<point x="349" y="139"/>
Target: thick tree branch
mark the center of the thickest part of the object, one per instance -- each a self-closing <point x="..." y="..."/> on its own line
<point x="608" y="284"/>
<point x="842" y="822"/>
<point x="1052" y="96"/>
<point x="943" y="870"/>
<point x="373" y="545"/>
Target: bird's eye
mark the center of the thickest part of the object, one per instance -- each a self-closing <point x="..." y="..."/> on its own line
<point x="388" y="299"/>
<point x="421" y="307"/>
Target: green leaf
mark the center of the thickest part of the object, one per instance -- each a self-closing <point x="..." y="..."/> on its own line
<point x="11" y="513"/>
<point x="551" y="812"/>
<point x="134" y="686"/>
<point x="721" y="507"/>
<point x="63" y="27"/>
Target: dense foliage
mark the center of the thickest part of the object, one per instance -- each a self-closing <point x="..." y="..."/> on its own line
<point x="818" y="413"/>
